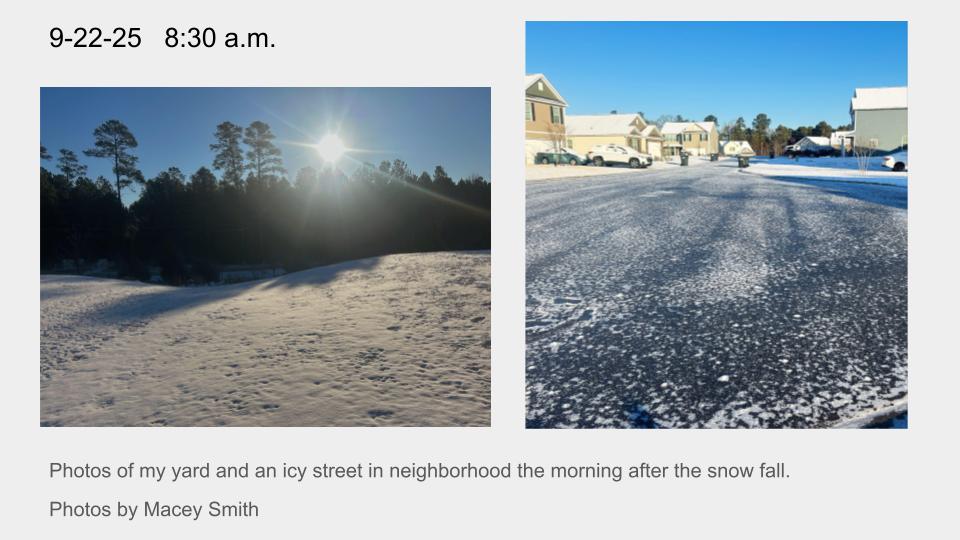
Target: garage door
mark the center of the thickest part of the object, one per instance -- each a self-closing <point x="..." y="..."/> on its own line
<point x="653" y="148"/>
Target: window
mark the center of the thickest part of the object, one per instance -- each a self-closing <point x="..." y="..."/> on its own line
<point x="688" y="136"/>
<point x="531" y="116"/>
<point x="556" y="114"/>
<point x="540" y="86"/>
<point x="704" y="136"/>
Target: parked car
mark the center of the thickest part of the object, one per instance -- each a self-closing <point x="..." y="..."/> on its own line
<point x="609" y="154"/>
<point x="564" y="155"/>
<point x="896" y="162"/>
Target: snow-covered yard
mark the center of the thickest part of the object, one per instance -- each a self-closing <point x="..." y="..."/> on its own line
<point x="843" y="169"/>
<point x="396" y="340"/>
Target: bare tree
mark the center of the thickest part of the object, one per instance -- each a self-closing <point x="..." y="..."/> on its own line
<point x="558" y="135"/>
<point x="863" y="150"/>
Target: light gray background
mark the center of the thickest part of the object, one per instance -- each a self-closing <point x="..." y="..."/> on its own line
<point x="868" y="484"/>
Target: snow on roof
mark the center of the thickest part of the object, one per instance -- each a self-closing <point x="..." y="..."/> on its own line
<point x="672" y="128"/>
<point x="529" y="81"/>
<point x="603" y="124"/>
<point x="820" y="141"/>
<point x="864" y="99"/>
<point x="648" y="131"/>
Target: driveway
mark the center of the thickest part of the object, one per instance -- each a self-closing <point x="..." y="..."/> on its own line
<point x="702" y="297"/>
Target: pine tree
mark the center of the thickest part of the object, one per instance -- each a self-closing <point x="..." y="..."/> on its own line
<point x="113" y="140"/>
<point x="823" y="129"/>
<point x="263" y="157"/>
<point x="70" y="166"/>
<point x="760" y="126"/>
<point x="739" y="131"/>
<point x="229" y="155"/>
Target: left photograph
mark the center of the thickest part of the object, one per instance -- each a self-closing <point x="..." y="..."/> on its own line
<point x="265" y="257"/>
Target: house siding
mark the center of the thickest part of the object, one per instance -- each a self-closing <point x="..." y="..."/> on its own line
<point x="541" y="125"/>
<point x="695" y="146"/>
<point x="888" y="126"/>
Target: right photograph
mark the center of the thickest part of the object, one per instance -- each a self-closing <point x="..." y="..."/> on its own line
<point x="716" y="224"/>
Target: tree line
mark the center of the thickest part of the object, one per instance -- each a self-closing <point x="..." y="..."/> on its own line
<point x="190" y="226"/>
<point x="763" y="138"/>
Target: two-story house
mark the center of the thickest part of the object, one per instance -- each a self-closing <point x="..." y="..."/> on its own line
<point x="586" y="131"/>
<point x="879" y="118"/>
<point x="696" y="138"/>
<point x="545" y="122"/>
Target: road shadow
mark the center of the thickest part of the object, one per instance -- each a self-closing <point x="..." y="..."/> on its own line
<point x="893" y="196"/>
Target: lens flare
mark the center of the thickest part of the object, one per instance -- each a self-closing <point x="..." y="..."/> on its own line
<point x="331" y="148"/>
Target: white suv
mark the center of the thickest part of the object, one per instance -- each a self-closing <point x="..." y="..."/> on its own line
<point x="608" y="154"/>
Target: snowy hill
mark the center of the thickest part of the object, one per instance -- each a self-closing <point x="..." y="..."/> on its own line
<point x="393" y="340"/>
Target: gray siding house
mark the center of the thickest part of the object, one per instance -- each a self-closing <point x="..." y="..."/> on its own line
<point x="879" y="118"/>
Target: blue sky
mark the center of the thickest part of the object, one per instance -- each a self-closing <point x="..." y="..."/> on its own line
<point x="798" y="73"/>
<point x="174" y="126"/>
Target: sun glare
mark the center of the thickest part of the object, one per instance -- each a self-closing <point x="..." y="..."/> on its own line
<point x="331" y="148"/>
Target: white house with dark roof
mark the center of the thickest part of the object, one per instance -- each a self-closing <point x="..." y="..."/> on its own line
<point x="811" y="144"/>
<point x="879" y="118"/>
<point x="631" y="130"/>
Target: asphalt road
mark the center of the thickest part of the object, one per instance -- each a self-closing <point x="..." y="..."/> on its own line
<point x="702" y="297"/>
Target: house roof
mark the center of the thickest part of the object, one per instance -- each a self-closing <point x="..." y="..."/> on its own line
<point x="531" y="79"/>
<point x="650" y="131"/>
<point x="672" y="128"/>
<point x="604" y="124"/>
<point x="864" y="99"/>
<point x="820" y="141"/>
<point x="741" y="147"/>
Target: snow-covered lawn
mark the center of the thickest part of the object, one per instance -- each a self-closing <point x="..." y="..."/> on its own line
<point x="393" y="340"/>
<point x="827" y="168"/>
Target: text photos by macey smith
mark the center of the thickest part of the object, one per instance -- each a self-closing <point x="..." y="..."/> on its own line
<point x="265" y="257"/>
<point x="715" y="243"/>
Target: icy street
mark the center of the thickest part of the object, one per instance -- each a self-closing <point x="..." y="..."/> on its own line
<point x="701" y="297"/>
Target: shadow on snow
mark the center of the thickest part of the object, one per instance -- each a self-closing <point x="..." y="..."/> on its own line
<point x="176" y="299"/>
<point x="893" y="196"/>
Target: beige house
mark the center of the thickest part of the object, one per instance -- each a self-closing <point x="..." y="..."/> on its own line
<point x="696" y="138"/>
<point x="586" y="131"/>
<point x="545" y="110"/>
<point x="736" y="148"/>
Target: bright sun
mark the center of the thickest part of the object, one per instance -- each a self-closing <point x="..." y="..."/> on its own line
<point x="331" y="148"/>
